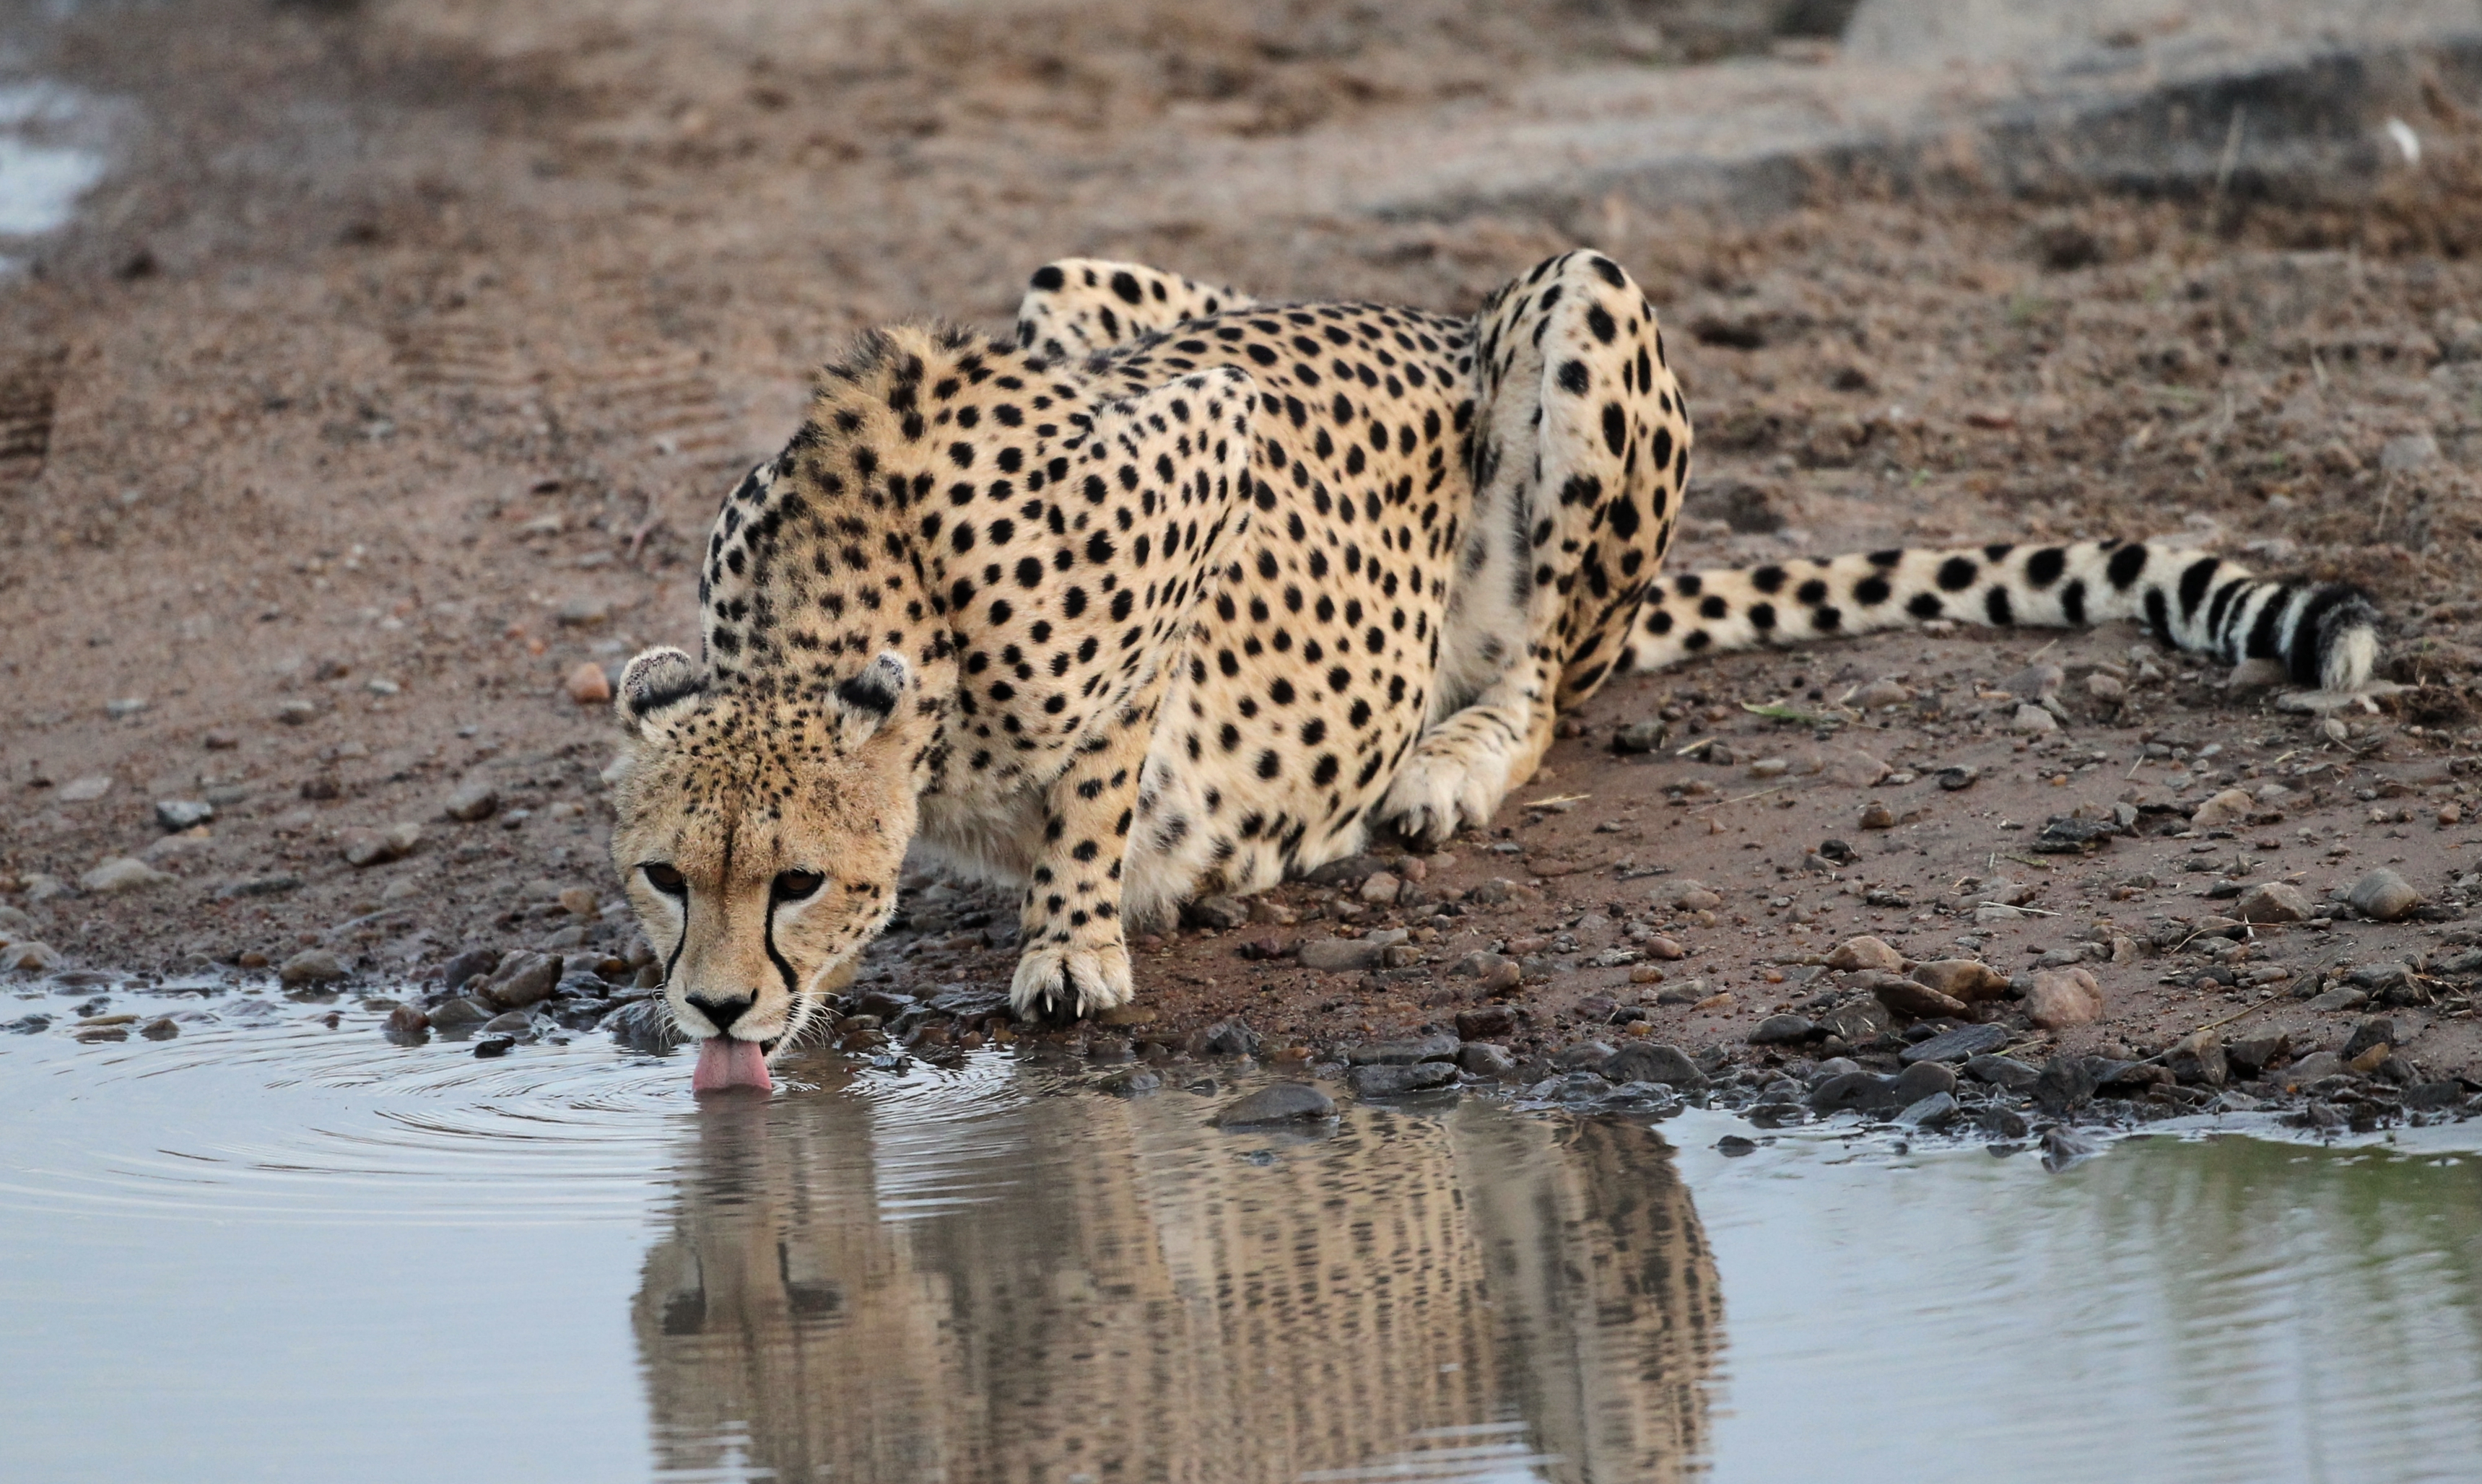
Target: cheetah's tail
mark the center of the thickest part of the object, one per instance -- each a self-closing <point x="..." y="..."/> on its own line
<point x="2323" y="634"/>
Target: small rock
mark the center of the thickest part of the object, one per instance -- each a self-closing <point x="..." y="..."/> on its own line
<point x="85" y="789"/>
<point x="2226" y="809"/>
<point x="119" y="874"/>
<point x="1881" y="692"/>
<point x="295" y="713"/>
<point x="1958" y="778"/>
<point x="1381" y="886"/>
<point x="2003" y="1072"/>
<point x="1137" y="1082"/>
<point x="2035" y="681"/>
<point x="1220" y="913"/>
<point x="1663" y="947"/>
<point x="1859" y="1022"/>
<point x="30" y="954"/>
<point x="1487" y="1024"/>
<point x="1641" y="737"/>
<point x="1691" y="896"/>
<point x="2340" y="998"/>
<point x="2434" y="1095"/>
<point x="2063" y="1146"/>
<point x="1866" y="954"/>
<point x="1403" y="1053"/>
<point x="1332" y="955"/>
<point x="408" y="1019"/>
<point x="2378" y="1032"/>
<point x="180" y="813"/>
<point x="2383" y="895"/>
<point x="522" y="980"/>
<point x="1390" y="1081"/>
<point x="474" y="799"/>
<point x="162" y="1028"/>
<point x="1591" y="1055"/>
<point x="309" y="969"/>
<point x="465" y="965"/>
<point x="1936" y="1111"/>
<point x="1732" y="1146"/>
<point x="2272" y="902"/>
<point x="452" y="1014"/>
<point x="1485" y="1060"/>
<point x="2250" y="1054"/>
<point x="2407" y="452"/>
<point x="2104" y="689"/>
<point x="1912" y="999"/>
<point x="2064" y="1084"/>
<point x="1877" y="815"/>
<point x="2315" y="1067"/>
<point x="1278" y="1103"/>
<point x="495" y="1046"/>
<point x="366" y="847"/>
<point x="1667" y="1065"/>
<point x="2061" y="998"/>
<point x="580" y="902"/>
<point x="2032" y="719"/>
<point x="1224" y="1038"/>
<point x="1962" y="1045"/>
<point x="587" y="685"/>
<point x="2198" y="1060"/>
<point x="1967" y="979"/>
<point x="1783" y="1031"/>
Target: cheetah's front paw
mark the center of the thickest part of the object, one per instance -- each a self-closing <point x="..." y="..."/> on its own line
<point x="1070" y="979"/>
<point x="1443" y="791"/>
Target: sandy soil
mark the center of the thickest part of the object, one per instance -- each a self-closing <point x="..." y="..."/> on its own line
<point x="393" y="373"/>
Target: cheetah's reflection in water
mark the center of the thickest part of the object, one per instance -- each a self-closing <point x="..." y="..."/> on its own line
<point x="1014" y="1285"/>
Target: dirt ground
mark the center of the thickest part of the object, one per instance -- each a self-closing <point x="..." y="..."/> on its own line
<point x="392" y="374"/>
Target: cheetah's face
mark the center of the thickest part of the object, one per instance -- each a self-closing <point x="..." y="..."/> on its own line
<point x="761" y="844"/>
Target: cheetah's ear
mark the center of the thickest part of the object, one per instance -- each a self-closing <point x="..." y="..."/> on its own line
<point x="871" y="697"/>
<point x="653" y="681"/>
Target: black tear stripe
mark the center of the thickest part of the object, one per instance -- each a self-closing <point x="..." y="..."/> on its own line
<point x="792" y="982"/>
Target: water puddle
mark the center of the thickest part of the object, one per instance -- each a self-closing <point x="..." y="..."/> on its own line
<point x="271" y="1248"/>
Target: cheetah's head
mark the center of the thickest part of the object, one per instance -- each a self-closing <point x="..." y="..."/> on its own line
<point x="759" y="838"/>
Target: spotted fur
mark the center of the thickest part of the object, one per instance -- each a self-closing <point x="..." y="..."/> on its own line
<point x="1180" y="593"/>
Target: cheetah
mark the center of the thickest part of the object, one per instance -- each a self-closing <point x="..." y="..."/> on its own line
<point x="1179" y="592"/>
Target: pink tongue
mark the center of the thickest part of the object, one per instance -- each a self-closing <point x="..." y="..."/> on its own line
<point x="725" y="1062"/>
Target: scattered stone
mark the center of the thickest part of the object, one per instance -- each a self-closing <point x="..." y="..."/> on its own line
<point x="1936" y="1111"/>
<point x="121" y="874"/>
<point x="1693" y="896"/>
<point x="2035" y="681"/>
<point x="14" y="924"/>
<point x="2198" y="1060"/>
<point x="408" y="1019"/>
<point x="162" y="1028"/>
<point x="2031" y="721"/>
<point x="1220" y="913"/>
<point x="1405" y="1054"/>
<point x="2434" y="1095"/>
<point x="495" y="1046"/>
<point x="456" y="1013"/>
<point x="1641" y="737"/>
<point x="1224" y="1038"/>
<point x="1859" y="1022"/>
<point x="30" y="954"/>
<point x="1783" y="1030"/>
<point x="2105" y="690"/>
<point x="1137" y="1082"/>
<point x="2340" y="998"/>
<point x="1866" y="954"/>
<point x="1961" y="1045"/>
<point x="1381" y="886"/>
<point x="180" y="813"/>
<point x="2228" y="808"/>
<point x="2064" y="1084"/>
<point x="2003" y="1072"/>
<point x="1667" y="1065"/>
<point x="85" y="789"/>
<point x="2378" y="1033"/>
<point x="1278" y="1103"/>
<point x="1957" y="778"/>
<point x="1335" y="955"/>
<point x="1912" y="999"/>
<point x="1968" y="979"/>
<point x="580" y="902"/>
<point x="310" y="969"/>
<point x="1487" y="1024"/>
<point x="2272" y="902"/>
<point x="2063" y="1146"/>
<point x="1390" y="1081"/>
<point x="1588" y="1055"/>
<point x="587" y="685"/>
<point x="2384" y="897"/>
<point x="2315" y="1067"/>
<point x="2248" y="1055"/>
<point x="366" y="847"/>
<point x="522" y="980"/>
<point x="1877" y="815"/>
<point x="1663" y="947"/>
<point x="1482" y="1058"/>
<point x="295" y="712"/>
<point x="1881" y="692"/>
<point x="1732" y="1146"/>
<point x="474" y="799"/>
<point x="2061" y="998"/>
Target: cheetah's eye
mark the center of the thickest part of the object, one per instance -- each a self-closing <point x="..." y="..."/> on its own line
<point x="664" y="878"/>
<point x="795" y="885"/>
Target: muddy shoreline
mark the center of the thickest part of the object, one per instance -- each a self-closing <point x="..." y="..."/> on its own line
<point x="337" y="466"/>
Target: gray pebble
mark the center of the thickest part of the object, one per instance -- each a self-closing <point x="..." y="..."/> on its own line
<point x="2383" y="896"/>
<point x="1439" y="1047"/>
<point x="1340" y="954"/>
<point x="1667" y="1065"/>
<point x="1484" y="1060"/>
<point x="1387" y="1082"/>
<point x="1277" y="1103"/>
<point x="179" y="814"/>
<point x="1783" y="1031"/>
<point x="1959" y="1045"/>
<point x="310" y="968"/>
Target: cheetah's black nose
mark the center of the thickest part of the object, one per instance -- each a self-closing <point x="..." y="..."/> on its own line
<point x="723" y="1012"/>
